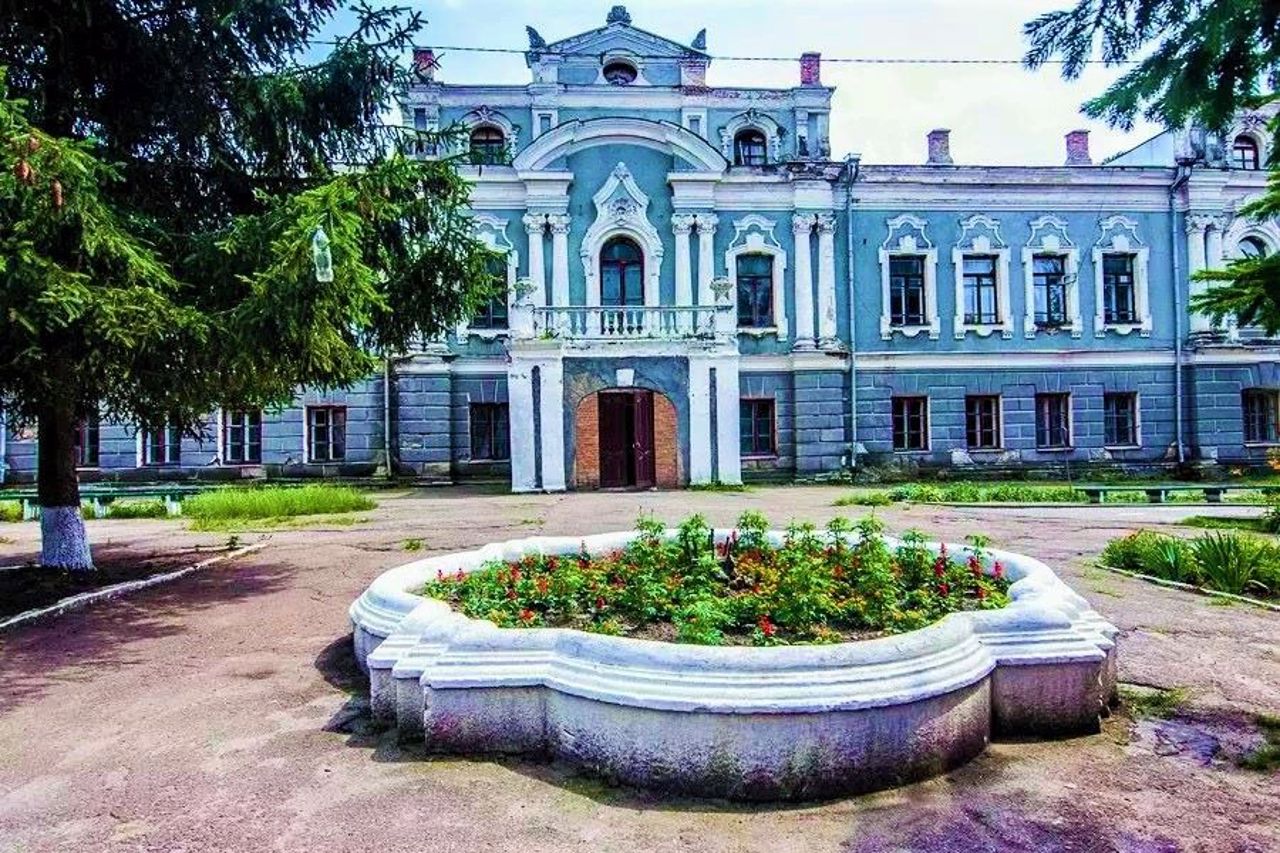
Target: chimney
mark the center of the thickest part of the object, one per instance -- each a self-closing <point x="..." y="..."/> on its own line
<point x="424" y="63"/>
<point x="1078" y="148"/>
<point x="811" y="69"/>
<point x="939" y="147"/>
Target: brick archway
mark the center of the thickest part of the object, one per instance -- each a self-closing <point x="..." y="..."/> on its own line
<point x="666" y="442"/>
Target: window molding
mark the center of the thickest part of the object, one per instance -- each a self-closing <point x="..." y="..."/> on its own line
<point x="927" y="425"/>
<point x="622" y="210"/>
<point x="1120" y="237"/>
<point x="1272" y="398"/>
<point x="752" y="119"/>
<point x="687" y="116"/>
<point x="628" y="57"/>
<point x="1137" y="420"/>
<point x="907" y="237"/>
<point x="492" y="231"/>
<point x="224" y="425"/>
<point x="553" y="116"/>
<point x="1000" y="423"/>
<point x="1049" y="237"/>
<point x="485" y="116"/>
<point x="980" y="236"/>
<point x="753" y="235"/>
<point x="773" y="408"/>
<point x="307" y="448"/>
<point x="1071" y="422"/>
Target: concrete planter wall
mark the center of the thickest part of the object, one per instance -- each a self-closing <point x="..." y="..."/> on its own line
<point x="798" y="722"/>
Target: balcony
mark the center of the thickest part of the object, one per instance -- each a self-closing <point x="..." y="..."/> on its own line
<point x="597" y="323"/>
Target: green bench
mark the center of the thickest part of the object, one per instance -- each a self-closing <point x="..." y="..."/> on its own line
<point x="100" y="497"/>
<point x="1156" y="492"/>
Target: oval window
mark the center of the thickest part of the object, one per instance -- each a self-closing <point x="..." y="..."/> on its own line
<point x="620" y="73"/>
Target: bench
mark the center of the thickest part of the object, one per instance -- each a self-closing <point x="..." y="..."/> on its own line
<point x="1157" y="492"/>
<point x="100" y="497"/>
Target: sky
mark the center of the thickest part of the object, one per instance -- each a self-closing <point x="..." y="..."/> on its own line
<point x="1001" y="115"/>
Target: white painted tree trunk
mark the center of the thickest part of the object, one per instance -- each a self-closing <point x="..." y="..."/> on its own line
<point x="64" y="544"/>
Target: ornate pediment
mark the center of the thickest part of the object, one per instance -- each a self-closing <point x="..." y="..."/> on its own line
<point x="619" y="35"/>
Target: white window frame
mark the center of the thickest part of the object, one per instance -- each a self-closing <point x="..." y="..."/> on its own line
<point x="972" y="242"/>
<point x="753" y="235"/>
<point x="1120" y="237"/>
<point x="539" y="115"/>
<point x="907" y="237"/>
<point x="1071" y="422"/>
<point x="144" y="447"/>
<point x="222" y="437"/>
<point x="492" y="231"/>
<point x="1049" y="237"/>
<point x="752" y="119"/>
<point x="1275" y="407"/>
<point x="306" y="432"/>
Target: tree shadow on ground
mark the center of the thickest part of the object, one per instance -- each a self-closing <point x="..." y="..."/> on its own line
<point x="79" y="646"/>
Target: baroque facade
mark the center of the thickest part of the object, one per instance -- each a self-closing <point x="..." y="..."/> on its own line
<point x="698" y="291"/>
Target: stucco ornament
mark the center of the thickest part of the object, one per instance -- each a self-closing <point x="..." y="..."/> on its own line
<point x="622" y="209"/>
<point x="752" y="118"/>
<point x="980" y="236"/>
<point x="618" y="15"/>
<point x="721" y="287"/>
<point x="1120" y="237"/>
<point x="907" y="237"/>
<point x="1049" y="237"/>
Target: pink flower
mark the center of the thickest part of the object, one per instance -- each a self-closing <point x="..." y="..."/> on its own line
<point x="944" y="588"/>
<point x="997" y="571"/>
<point x="767" y="627"/>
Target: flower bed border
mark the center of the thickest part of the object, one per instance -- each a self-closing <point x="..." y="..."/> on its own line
<point x="792" y="722"/>
<point x="1190" y="587"/>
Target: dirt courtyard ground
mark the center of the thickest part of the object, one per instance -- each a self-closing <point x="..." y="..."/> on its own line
<point x="222" y="712"/>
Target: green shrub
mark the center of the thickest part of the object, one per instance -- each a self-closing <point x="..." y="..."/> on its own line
<point x="10" y="511"/>
<point x="967" y="492"/>
<point x="865" y="499"/>
<point x="1133" y="553"/>
<point x="274" y="502"/>
<point x="816" y="587"/>
<point x="137" y="509"/>
<point x="1228" y="561"/>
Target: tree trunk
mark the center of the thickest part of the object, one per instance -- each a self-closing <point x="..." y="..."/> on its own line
<point x="64" y="543"/>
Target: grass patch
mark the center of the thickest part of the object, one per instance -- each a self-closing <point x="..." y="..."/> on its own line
<point x="1221" y="522"/>
<point x="966" y="492"/>
<point x="867" y="498"/>
<point x="413" y="544"/>
<point x="298" y="522"/>
<point x="274" y="502"/>
<point x="1152" y="702"/>
<point x="133" y="509"/>
<point x="10" y="511"/>
<point x="719" y="487"/>
<point x="1266" y="757"/>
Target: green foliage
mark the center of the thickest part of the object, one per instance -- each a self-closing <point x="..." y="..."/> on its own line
<point x="1228" y="561"/>
<point x="413" y="544"/>
<point x="274" y="502"/>
<point x="10" y="511"/>
<point x="967" y="492"/>
<point x="864" y="498"/>
<point x="816" y="587"/>
<point x="137" y="509"/>
<point x="1222" y="561"/>
<point x="1266" y="757"/>
<point x="1152" y="702"/>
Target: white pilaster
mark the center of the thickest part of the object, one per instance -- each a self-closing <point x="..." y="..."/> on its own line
<point x="682" y="224"/>
<point x="700" y="421"/>
<point x="706" y="257"/>
<point x="802" y="227"/>
<point x="827" y="281"/>
<point x="524" y="476"/>
<point x="535" y="225"/>
<point x="559" y="223"/>
<point x="551" y="406"/>
<point x="1197" y="257"/>
<point x="728" y="398"/>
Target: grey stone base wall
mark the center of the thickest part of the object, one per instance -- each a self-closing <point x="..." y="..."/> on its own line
<point x="1217" y="423"/>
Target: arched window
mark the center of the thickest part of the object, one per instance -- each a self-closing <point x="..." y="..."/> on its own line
<point x="755" y="291"/>
<point x="621" y="273"/>
<point x="488" y="146"/>
<point x="620" y="73"/>
<point x="1252" y="247"/>
<point x="750" y="148"/>
<point x="1244" y="153"/>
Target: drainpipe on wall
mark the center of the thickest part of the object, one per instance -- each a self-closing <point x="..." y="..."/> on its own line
<point x="386" y="419"/>
<point x="1181" y="176"/>
<point x="4" y="445"/>
<point x="852" y="165"/>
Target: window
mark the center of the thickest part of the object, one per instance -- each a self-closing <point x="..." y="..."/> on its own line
<point x="620" y="73"/>
<point x="490" y="432"/>
<point x="1118" y="293"/>
<point x="242" y="437"/>
<point x="621" y="273"/>
<point x="1050" y="287"/>
<point x="981" y="304"/>
<point x="756" y="427"/>
<point x="1244" y="153"/>
<point x="695" y="125"/>
<point x="1120" y="420"/>
<point x="1251" y="248"/>
<point x="1260" y="408"/>
<point x="910" y="423"/>
<point x="906" y="291"/>
<point x="86" y="443"/>
<point x="494" y="314"/>
<point x="1053" y="421"/>
<point x="982" y="422"/>
<point x="755" y="291"/>
<point x="488" y="146"/>
<point x="161" y="445"/>
<point x="326" y="433"/>
<point x="750" y="148"/>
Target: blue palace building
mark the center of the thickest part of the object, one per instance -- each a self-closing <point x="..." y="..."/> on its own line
<point x="698" y="291"/>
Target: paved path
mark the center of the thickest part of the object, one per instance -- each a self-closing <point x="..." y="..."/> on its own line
<point x="218" y="713"/>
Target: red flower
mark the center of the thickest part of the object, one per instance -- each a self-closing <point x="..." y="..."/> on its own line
<point x="766" y="627"/>
<point x="944" y="588"/>
<point x="838" y="571"/>
<point x="440" y="574"/>
<point x="460" y="576"/>
<point x="511" y="595"/>
<point x="939" y="567"/>
<point x="526" y="615"/>
<point x="982" y="594"/>
<point x="543" y="585"/>
<point x="552" y="564"/>
<point x="600" y="602"/>
<point x="974" y="565"/>
<point x="515" y="575"/>
<point x="997" y="571"/>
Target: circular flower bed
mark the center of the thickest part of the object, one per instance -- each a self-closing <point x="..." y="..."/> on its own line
<point x="807" y="588"/>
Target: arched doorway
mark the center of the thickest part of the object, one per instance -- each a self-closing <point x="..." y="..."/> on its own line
<point x="626" y="438"/>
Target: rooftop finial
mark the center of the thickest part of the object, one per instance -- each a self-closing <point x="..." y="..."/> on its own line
<point x="618" y="15"/>
<point x="700" y="40"/>
<point x="536" y="42"/>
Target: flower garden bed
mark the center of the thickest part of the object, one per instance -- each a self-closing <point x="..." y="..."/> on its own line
<point x="561" y="662"/>
<point x="811" y="588"/>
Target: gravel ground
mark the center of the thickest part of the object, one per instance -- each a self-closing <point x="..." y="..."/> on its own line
<point x="221" y="712"/>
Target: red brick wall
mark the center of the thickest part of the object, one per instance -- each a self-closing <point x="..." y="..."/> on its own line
<point x="585" y="473"/>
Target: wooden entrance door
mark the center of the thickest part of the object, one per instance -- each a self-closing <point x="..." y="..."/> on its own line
<point x="626" y="440"/>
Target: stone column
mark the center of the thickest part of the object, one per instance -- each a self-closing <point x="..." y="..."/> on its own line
<point x="706" y="257"/>
<point x="535" y="225"/>
<point x="682" y="224"/>
<point x="827" y="335"/>
<point x="551" y="404"/>
<point x="524" y="472"/>
<point x="802" y="227"/>
<point x="700" y="420"/>
<point x="1196" y="260"/>
<point x="559" y="223"/>
<point x="728" y="400"/>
